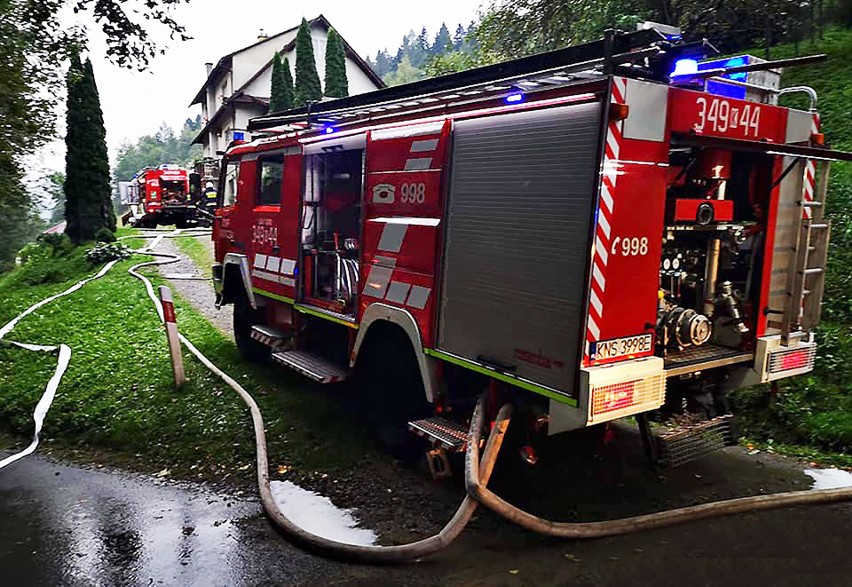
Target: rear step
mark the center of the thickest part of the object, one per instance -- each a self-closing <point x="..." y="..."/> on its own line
<point x="311" y="366"/>
<point x="687" y="442"/>
<point x="449" y="435"/>
<point x="268" y="335"/>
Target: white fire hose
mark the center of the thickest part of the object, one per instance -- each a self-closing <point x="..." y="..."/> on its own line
<point x="477" y="472"/>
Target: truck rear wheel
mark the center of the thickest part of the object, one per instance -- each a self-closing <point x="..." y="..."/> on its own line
<point x="388" y="377"/>
<point x="244" y="318"/>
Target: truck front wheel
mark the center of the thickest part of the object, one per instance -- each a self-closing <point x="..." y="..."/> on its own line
<point x="244" y="318"/>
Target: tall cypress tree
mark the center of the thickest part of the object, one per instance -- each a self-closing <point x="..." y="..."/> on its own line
<point x="307" y="79"/>
<point x="289" y="90"/>
<point x="336" y="83"/>
<point x="281" y="96"/>
<point x="88" y="201"/>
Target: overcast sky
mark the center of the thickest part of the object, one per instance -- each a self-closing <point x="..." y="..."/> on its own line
<point x="135" y="104"/>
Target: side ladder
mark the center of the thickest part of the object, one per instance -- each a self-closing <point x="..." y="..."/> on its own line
<point x="807" y="272"/>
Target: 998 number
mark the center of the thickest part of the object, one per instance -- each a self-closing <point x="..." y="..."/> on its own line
<point x="413" y="193"/>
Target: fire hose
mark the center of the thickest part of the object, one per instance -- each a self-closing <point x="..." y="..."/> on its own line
<point x="478" y="471"/>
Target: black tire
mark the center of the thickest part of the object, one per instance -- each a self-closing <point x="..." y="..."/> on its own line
<point x="388" y="377"/>
<point x="244" y="318"/>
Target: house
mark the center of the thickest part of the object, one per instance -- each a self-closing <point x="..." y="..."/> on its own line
<point x="238" y="87"/>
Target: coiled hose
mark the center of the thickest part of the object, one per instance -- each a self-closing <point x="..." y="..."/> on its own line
<point x="477" y="474"/>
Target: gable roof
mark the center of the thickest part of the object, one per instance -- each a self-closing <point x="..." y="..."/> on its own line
<point x="225" y="62"/>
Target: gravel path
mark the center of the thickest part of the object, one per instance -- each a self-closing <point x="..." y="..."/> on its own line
<point x="198" y="292"/>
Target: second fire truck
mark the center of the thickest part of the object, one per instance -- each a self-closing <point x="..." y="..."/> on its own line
<point x="159" y="196"/>
<point x="607" y="230"/>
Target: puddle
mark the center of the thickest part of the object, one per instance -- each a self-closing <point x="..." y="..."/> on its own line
<point x="829" y="478"/>
<point x="317" y="514"/>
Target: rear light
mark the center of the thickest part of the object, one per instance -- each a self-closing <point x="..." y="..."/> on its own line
<point x="612" y="397"/>
<point x="624" y="389"/>
<point x="794" y="359"/>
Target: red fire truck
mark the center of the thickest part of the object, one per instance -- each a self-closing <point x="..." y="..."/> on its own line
<point x="607" y="230"/>
<point x="159" y="196"/>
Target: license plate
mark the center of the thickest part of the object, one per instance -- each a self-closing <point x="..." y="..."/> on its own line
<point x="622" y="347"/>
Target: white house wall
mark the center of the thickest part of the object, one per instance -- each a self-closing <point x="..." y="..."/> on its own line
<point x="246" y="63"/>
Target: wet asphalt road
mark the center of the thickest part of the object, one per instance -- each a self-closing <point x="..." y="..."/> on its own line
<point x="68" y="525"/>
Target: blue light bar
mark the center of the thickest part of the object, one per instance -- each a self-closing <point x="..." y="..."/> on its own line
<point x="720" y="88"/>
<point x="328" y="130"/>
<point x="684" y="67"/>
<point x="515" y="98"/>
<point x="725" y="64"/>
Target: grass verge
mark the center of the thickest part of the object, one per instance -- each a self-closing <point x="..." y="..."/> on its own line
<point x="812" y="414"/>
<point x="117" y="393"/>
<point x="193" y="248"/>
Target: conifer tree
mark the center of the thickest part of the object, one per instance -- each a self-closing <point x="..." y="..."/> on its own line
<point x="336" y="83"/>
<point x="307" y="79"/>
<point x="88" y="201"/>
<point x="281" y="94"/>
<point x="289" y="90"/>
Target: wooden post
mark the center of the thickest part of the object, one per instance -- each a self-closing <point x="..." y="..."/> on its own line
<point x="172" y="335"/>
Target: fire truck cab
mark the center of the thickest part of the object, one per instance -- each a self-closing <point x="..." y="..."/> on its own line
<point x="606" y="230"/>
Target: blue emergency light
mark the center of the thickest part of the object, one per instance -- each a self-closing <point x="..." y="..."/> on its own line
<point x="515" y="98"/>
<point x="721" y="88"/>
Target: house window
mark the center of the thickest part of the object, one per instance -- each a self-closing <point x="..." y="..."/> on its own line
<point x="271" y="181"/>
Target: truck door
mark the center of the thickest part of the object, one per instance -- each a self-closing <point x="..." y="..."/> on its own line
<point x="273" y="245"/>
<point x="224" y="236"/>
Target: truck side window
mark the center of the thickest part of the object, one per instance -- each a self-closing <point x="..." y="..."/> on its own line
<point x="269" y="186"/>
<point x="230" y="183"/>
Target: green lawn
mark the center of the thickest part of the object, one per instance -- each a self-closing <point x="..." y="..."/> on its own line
<point x="117" y="393"/>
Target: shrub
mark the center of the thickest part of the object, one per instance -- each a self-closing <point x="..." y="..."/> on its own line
<point x="104" y="235"/>
<point x="103" y="252"/>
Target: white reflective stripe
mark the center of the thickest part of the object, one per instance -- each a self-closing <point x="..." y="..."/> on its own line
<point x="392" y="237"/>
<point x="612" y="142"/>
<point x="397" y="292"/>
<point x="598" y="276"/>
<point x="288" y="266"/>
<point x="386" y="261"/>
<point x="412" y="130"/>
<point x="604" y="224"/>
<point x="410" y="220"/>
<point x="418" y="164"/>
<point x="260" y="261"/>
<point x="593" y="329"/>
<point x="621" y="86"/>
<point x="600" y="249"/>
<point x="418" y="297"/>
<point x="596" y="303"/>
<point x="377" y="281"/>
<point x="273" y="277"/>
<point x="424" y="146"/>
<point x="273" y="264"/>
<point x="606" y="197"/>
